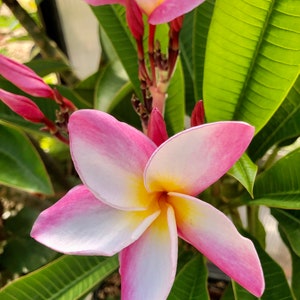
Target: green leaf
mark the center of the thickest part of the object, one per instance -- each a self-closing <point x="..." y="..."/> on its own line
<point x="290" y="224"/>
<point x="252" y="59"/>
<point x="191" y="281"/>
<point x="175" y="104"/>
<point x="111" y="86"/>
<point x="244" y="170"/>
<point x="69" y="277"/>
<point x="20" y="164"/>
<point x="283" y="125"/>
<point x="44" y="67"/>
<point x="185" y="43"/>
<point x="202" y="20"/>
<point x="295" y="265"/>
<point x="279" y="186"/>
<point x="113" y="22"/>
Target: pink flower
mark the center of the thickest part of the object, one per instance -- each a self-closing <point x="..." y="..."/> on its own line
<point x="136" y="198"/>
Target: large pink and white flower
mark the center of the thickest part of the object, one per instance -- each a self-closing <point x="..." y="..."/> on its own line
<point x="137" y="198"/>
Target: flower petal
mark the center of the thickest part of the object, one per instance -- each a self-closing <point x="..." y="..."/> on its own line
<point x="171" y="9"/>
<point x="110" y="157"/>
<point x="22" y="106"/>
<point x="148" y="266"/>
<point x="193" y="159"/>
<point x="214" y="235"/>
<point x="24" y="78"/>
<point x="81" y="224"/>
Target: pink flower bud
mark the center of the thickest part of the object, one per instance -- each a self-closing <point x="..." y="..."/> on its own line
<point x="198" y="116"/>
<point x="23" y="106"/>
<point x="157" y="131"/>
<point x="24" y="78"/>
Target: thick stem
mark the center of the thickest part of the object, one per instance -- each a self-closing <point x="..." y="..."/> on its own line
<point x="47" y="47"/>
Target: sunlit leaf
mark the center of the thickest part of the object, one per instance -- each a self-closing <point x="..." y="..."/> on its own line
<point x="252" y="59"/>
<point x="244" y="170"/>
<point x="69" y="277"/>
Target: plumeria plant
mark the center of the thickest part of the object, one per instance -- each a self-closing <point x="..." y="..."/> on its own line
<point x="151" y="185"/>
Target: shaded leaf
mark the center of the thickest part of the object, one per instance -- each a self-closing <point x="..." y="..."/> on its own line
<point x="20" y="164"/>
<point x="282" y="126"/>
<point x="191" y="281"/>
<point x="295" y="265"/>
<point x="44" y="67"/>
<point x="111" y="83"/>
<point x="290" y="224"/>
<point x="279" y="186"/>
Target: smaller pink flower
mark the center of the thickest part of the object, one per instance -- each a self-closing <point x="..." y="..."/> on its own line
<point x="137" y="198"/>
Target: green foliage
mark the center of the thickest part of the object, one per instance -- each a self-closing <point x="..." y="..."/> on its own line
<point x="20" y="164"/>
<point x="252" y="59"/>
<point x="190" y="283"/>
<point x="68" y="277"/>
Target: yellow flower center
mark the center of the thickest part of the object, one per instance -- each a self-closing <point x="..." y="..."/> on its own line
<point x="148" y="6"/>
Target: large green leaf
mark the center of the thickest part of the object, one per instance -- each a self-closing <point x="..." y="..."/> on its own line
<point x="20" y="164"/>
<point x="283" y="125"/>
<point x="252" y="59"/>
<point x="69" y="277"/>
<point x="193" y="38"/>
<point x="289" y="221"/>
<point x="202" y="19"/>
<point x="113" y="22"/>
<point x="279" y="186"/>
<point x="191" y="281"/>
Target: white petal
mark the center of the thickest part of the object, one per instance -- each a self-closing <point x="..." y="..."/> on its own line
<point x="110" y="157"/>
<point x="148" y="266"/>
<point x="81" y="224"/>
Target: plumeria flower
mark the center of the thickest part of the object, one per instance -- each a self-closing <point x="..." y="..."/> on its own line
<point x="137" y="198"/>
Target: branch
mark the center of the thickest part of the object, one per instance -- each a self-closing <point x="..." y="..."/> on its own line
<point x="47" y="46"/>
